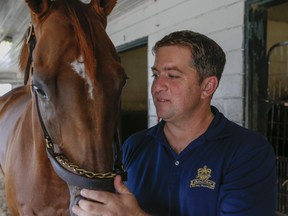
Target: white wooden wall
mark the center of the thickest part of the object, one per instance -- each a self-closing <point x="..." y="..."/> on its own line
<point x="221" y="20"/>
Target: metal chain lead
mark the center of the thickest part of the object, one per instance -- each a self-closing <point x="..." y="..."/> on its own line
<point x="75" y="168"/>
<point x="80" y="171"/>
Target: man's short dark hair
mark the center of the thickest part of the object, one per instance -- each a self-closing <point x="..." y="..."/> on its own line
<point x="207" y="57"/>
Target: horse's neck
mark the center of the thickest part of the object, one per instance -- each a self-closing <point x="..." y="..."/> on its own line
<point x="12" y="106"/>
<point x="15" y="97"/>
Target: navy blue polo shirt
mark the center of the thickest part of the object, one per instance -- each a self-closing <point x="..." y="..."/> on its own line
<point x="228" y="170"/>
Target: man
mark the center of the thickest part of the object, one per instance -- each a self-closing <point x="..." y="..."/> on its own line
<point x="194" y="161"/>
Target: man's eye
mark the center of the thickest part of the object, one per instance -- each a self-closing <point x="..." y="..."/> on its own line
<point x="155" y="75"/>
<point x="173" y="76"/>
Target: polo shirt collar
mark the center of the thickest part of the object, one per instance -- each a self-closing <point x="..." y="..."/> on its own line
<point x="214" y="131"/>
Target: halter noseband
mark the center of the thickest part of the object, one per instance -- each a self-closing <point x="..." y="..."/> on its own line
<point x="66" y="170"/>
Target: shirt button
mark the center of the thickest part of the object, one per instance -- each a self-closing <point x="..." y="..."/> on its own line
<point x="176" y="163"/>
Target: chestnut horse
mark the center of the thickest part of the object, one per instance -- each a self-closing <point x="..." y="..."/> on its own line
<point x="59" y="129"/>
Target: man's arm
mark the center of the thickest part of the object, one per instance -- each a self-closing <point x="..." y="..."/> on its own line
<point x="249" y="186"/>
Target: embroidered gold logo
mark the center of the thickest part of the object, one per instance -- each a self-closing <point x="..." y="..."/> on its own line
<point x="203" y="179"/>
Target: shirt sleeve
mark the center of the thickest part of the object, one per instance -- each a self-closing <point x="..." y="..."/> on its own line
<point x="249" y="184"/>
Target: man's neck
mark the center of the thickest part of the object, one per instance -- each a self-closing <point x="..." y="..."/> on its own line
<point x="181" y="134"/>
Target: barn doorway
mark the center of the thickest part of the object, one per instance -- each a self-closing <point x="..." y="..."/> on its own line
<point x="134" y="108"/>
<point x="277" y="125"/>
<point x="267" y="82"/>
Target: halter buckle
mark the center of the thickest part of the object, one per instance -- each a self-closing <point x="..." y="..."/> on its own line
<point x="30" y="33"/>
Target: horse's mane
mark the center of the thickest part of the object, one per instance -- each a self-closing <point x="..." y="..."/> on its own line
<point x="85" y="31"/>
<point x="23" y="60"/>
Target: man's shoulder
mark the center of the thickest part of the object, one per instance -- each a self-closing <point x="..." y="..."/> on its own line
<point x="141" y="138"/>
<point x="227" y="131"/>
<point x="238" y="131"/>
<point x="154" y="131"/>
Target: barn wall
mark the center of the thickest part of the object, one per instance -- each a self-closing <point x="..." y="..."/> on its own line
<point x="222" y="20"/>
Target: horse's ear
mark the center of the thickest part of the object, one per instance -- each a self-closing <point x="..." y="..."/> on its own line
<point x="107" y="5"/>
<point x="38" y="7"/>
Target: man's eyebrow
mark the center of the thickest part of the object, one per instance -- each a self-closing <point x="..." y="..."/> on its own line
<point x="153" y="68"/>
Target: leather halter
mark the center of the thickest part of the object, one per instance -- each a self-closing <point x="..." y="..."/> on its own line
<point x="66" y="170"/>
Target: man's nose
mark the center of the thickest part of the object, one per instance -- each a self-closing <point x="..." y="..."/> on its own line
<point x="159" y="84"/>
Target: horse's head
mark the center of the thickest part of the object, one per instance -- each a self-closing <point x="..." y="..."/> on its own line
<point x="77" y="79"/>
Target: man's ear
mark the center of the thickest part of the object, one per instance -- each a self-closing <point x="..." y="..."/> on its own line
<point x="209" y="86"/>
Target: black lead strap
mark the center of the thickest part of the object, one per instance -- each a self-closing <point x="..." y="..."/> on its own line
<point x="31" y="42"/>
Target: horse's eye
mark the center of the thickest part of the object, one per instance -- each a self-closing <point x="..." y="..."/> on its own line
<point x="86" y="1"/>
<point x="125" y="81"/>
<point x="39" y="92"/>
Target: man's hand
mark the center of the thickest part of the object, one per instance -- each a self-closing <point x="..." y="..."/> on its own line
<point x="107" y="204"/>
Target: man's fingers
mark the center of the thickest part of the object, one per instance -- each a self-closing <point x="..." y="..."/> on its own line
<point x="86" y="206"/>
<point x="119" y="185"/>
<point x="95" y="196"/>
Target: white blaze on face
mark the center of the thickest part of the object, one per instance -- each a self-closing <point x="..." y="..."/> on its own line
<point x="79" y="67"/>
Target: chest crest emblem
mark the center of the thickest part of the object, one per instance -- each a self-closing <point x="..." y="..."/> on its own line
<point x="203" y="179"/>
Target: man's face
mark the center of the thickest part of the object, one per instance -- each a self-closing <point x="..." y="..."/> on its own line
<point x="176" y="91"/>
